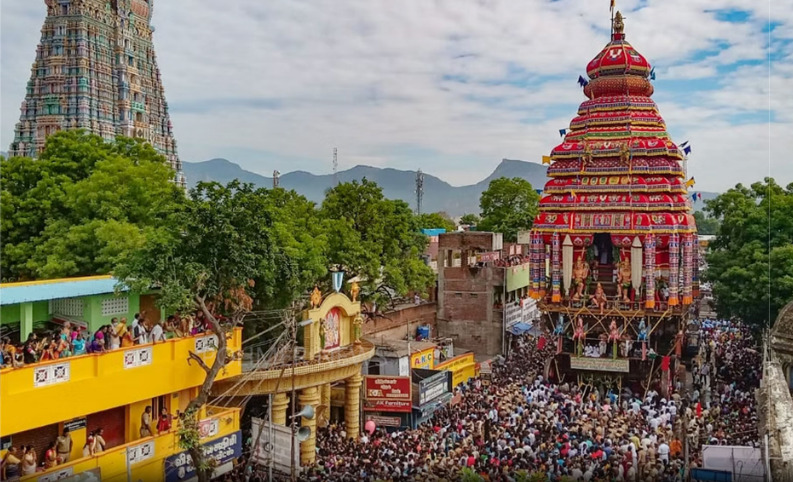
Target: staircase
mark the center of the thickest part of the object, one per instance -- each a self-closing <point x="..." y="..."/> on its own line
<point x="604" y="273"/>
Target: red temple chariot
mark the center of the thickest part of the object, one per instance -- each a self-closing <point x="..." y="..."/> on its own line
<point x="613" y="248"/>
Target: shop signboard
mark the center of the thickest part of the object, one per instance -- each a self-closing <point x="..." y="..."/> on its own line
<point x="488" y="256"/>
<point x="433" y="387"/>
<point x="180" y="467"/>
<point x="524" y="237"/>
<point x="462" y="368"/>
<point x="387" y="394"/>
<point x="75" y="425"/>
<point x="383" y="421"/>
<point x="423" y="359"/>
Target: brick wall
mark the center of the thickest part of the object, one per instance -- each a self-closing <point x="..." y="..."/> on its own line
<point x="482" y="338"/>
<point x="394" y="326"/>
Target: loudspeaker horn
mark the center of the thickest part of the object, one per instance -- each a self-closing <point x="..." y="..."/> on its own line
<point x="303" y="434"/>
<point x="307" y="412"/>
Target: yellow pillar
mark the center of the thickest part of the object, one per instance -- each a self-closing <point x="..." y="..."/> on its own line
<point x="352" y="405"/>
<point x="280" y="403"/>
<point x="324" y="400"/>
<point x="308" y="452"/>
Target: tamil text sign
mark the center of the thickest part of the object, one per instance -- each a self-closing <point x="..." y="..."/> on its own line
<point x="382" y="421"/>
<point x="224" y="449"/>
<point x="387" y="394"/>
<point x="600" y="364"/>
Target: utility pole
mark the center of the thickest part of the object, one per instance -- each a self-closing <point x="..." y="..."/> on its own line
<point x="293" y="333"/>
<point x="335" y="167"/>
<point x="419" y="190"/>
<point x="276" y="178"/>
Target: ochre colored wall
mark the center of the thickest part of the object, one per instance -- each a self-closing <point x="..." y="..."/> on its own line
<point x="112" y="463"/>
<point x="100" y="382"/>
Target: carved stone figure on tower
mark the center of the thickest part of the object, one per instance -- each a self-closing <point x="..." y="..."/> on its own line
<point x="580" y="275"/>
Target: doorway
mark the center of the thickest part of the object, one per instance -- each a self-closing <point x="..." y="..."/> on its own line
<point x="604" y="248"/>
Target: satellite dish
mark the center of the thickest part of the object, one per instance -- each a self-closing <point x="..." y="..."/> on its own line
<point x="307" y="412"/>
<point x="303" y="434"/>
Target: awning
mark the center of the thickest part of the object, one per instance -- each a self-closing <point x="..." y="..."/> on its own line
<point x="520" y="328"/>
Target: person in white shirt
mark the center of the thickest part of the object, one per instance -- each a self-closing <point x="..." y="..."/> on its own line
<point x="663" y="452"/>
<point x="157" y="333"/>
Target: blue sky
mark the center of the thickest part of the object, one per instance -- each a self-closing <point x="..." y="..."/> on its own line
<point x="449" y="86"/>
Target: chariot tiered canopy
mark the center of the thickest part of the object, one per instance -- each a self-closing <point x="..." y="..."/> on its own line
<point x="614" y="240"/>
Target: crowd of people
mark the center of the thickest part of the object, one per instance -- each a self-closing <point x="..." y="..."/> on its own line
<point x="523" y="422"/>
<point x="70" y="340"/>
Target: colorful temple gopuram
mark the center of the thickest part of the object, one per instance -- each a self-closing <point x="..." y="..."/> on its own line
<point x="613" y="248"/>
<point x="95" y="69"/>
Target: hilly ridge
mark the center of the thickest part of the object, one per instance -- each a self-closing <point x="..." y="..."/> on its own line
<point x="397" y="184"/>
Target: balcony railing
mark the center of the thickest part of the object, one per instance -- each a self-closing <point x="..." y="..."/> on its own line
<point x="146" y="456"/>
<point x="100" y="382"/>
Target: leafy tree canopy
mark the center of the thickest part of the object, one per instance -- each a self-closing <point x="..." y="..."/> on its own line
<point x="436" y="220"/>
<point x="375" y="238"/>
<point x="706" y="224"/>
<point x="470" y="219"/>
<point x="750" y="263"/>
<point x="82" y="205"/>
<point x="508" y="206"/>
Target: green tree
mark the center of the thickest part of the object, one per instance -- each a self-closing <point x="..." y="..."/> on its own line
<point x="467" y="474"/>
<point x="375" y="238"/>
<point x="215" y="257"/>
<point x="469" y="219"/>
<point x="436" y="220"/>
<point x="706" y="224"/>
<point x="82" y="205"/>
<point x="750" y="263"/>
<point x="508" y="206"/>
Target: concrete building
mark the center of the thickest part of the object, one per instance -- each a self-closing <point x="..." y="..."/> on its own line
<point x="478" y="275"/>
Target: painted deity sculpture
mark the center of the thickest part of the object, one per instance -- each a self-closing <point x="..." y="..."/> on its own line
<point x="580" y="275"/>
<point x="624" y="280"/>
<point x="579" y="334"/>
<point x="642" y="330"/>
<point x="354" y="290"/>
<point x="322" y="334"/>
<point x="614" y="337"/>
<point x="558" y="332"/>
<point x="599" y="298"/>
<point x="316" y="297"/>
<point x="356" y="323"/>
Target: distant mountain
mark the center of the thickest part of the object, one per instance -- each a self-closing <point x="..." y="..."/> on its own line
<point x="438" y="194"/>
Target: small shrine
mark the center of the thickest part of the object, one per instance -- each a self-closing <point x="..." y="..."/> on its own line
<point x="613" y="247"/>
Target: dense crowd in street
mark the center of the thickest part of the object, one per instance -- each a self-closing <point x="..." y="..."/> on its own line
<point x="522" y="422"/>
<point x="69" y="340"/>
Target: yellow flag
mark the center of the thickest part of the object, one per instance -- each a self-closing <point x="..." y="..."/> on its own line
<point x="546" y="159"/>
<point x="690" y="182"/>
<point x="572" y="193"/>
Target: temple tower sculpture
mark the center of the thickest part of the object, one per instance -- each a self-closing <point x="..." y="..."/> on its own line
<point x="95" y="69"/>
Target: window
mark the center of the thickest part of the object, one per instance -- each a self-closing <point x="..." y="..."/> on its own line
<point x="72" y="307"/>
<point x="115" y="306"/>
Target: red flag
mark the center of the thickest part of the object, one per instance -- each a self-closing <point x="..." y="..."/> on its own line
<point x="541" y="342"/>
<point x="665" y="363"/>
<point x="699" y="409"/>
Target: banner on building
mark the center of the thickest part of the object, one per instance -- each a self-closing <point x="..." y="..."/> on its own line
<point x="524" y="237"/>
<point x="387" y="394"/>
<point x="138" y="357"/>
<point x="382" y="421"/>
<point x="51" y="374"/>
<point x="600" y="364"/>
<point x="280" y="449"/>
<point x="141" y="452"/>
<point x="208" y="427"/>
<point x="221" y="451"/>
<point x="488" y="256"/>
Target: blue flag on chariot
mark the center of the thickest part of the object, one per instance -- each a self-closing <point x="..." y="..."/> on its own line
<point x="562" y="132"/>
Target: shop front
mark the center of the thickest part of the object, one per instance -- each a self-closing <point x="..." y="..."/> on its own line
<point x="432" y="389"/>
<point x="387" y="401"/>
<point x="221" y="451"/>
<point x="461" y="367"/>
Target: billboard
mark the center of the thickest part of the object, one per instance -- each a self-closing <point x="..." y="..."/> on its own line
<point x="433" y="387"/>
<point x="423" y="359"/>
<point x="279" y="449"/>
<point x="387" y="394"/>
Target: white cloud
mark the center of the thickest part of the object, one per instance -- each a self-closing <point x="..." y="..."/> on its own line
<point x="276" y="85"/>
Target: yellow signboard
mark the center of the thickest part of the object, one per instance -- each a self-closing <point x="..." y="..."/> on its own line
<point x="463" y="368"/>
<point x="423" y="359"/>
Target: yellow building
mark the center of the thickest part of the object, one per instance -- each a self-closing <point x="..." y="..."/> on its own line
<point x="333" y="354"/>
<point x="111" y="391"/>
